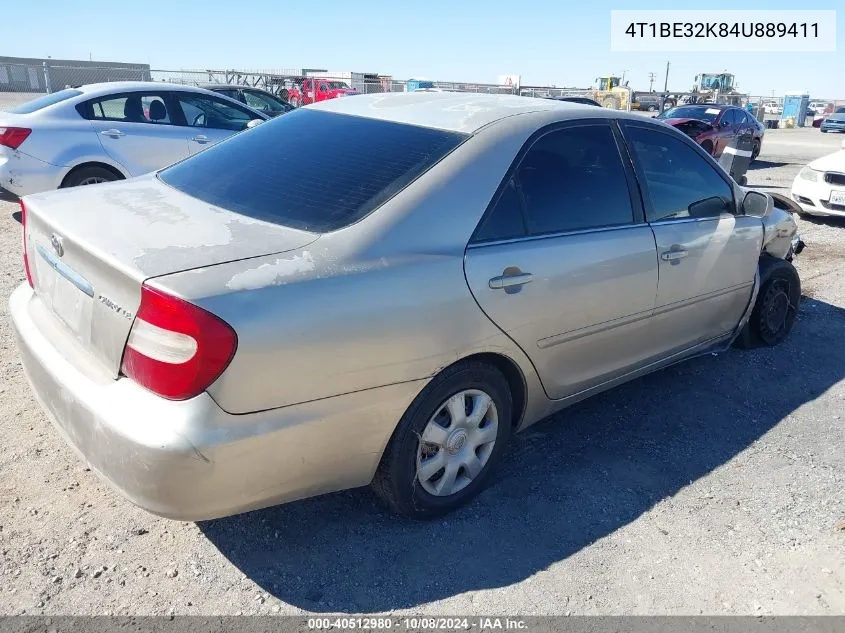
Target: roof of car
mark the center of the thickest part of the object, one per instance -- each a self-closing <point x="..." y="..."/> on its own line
<point x="454" y="111"/>
<point x="131" y="86"/>
<point x="230" y="87"/>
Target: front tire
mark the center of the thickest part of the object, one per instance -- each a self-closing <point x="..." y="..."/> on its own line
<point x="776" y="306"/>
<point x="448" y="442"/>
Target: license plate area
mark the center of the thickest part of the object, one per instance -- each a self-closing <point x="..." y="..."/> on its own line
<point x="837" y="197"/>
<point x="67" y="294"/>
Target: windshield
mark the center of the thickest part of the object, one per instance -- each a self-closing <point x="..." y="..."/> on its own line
<point x="338" y="85"/>
<point x="43" y="102"/>
<point x="700" y="112"/>
<point x="313" y="171"/>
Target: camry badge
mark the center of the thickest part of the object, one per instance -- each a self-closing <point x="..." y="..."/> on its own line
<point x="58" y="246"/>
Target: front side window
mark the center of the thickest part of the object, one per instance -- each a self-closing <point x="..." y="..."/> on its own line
<point x="574" y="179"/>
<point x="208" y="112"/>
<point x="313" y="171"/>
<point x="679" y="182"/>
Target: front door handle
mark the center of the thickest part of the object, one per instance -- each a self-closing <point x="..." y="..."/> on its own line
<point x="674" y="255"/>
<point x="201" y="138"/>
<point x="509" y="281"/>
<point x="112" y="133"/>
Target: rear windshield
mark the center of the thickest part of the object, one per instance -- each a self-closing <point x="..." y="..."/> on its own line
<point x="314" y="171"/>
<point x="43" y="102"/>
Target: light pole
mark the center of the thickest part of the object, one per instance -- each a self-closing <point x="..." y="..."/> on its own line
<point x="651" y="82"/>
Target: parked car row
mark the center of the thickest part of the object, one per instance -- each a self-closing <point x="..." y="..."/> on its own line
<point x="351" y="295"/>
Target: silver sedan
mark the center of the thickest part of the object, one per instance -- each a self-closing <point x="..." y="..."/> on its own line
<point x="381" y="290"/>
<point x="103" y="132"/>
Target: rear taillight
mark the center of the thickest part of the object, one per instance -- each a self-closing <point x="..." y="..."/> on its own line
<point x="25" y="255"/>
<point x="176" y="349"/>
<point x="13" y="136"/>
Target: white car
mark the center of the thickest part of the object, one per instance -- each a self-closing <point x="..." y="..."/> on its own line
<point x="111" y="131"/>
<point x="819" y="188"/>
<point x="772" y="107"/>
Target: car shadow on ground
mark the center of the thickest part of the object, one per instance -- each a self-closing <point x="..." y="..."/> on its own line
<point x="7" y="196"/>
<point x="566" y="483"/>
<point x="825" y="220"/>
<point x="766" y="164"/>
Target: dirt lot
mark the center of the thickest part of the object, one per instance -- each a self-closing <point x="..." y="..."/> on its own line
<point x="712" y="487"/>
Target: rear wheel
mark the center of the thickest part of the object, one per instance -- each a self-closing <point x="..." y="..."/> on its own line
<point x="755" y="151"/>
<point x="776" y="306"/>
<point x="91" y="175"/>
<point x="652" y="108"/>
<point x="447" y="443"/>
<point x="822" y="130"/>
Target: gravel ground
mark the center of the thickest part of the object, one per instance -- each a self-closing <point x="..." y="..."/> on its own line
<point x="712" y="487"/>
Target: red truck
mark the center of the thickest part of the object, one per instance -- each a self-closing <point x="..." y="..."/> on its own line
<point x="303" y="93"/>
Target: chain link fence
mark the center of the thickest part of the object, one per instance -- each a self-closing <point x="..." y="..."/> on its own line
<point x="21" y="82"/>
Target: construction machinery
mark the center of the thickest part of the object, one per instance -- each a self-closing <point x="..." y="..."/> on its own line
<point x="715" y="88"/>
<point x="611" y="93"/>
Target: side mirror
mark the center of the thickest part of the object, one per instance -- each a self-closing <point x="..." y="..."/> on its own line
<point x="755" y="204"/>
<point x="253" y="123"/>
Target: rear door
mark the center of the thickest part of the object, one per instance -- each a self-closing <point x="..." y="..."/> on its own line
<point x="561" y="262"/>
<point x="209" y="119"/>
<point x="707" y="253"/>
<point x="136" y="130"/>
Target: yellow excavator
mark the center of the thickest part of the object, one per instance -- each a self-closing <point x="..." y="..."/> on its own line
<point x="611" y="93"/>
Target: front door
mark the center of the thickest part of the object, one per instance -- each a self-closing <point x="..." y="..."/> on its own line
<point x="561" y="264"/>
<point x="209" y="119"/>
<point x="136" y="131"/>
<point x="707" y="253"/>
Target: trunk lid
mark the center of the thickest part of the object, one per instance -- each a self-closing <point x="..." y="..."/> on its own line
<point x="91" y="248"/>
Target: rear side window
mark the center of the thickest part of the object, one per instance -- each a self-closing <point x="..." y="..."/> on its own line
<point x="314" y="171"/>
<point x="47" y="100"/>
<point x="574" y="179"/>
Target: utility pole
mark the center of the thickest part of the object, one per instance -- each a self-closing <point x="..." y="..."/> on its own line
<point x="651" y="82"/>
<point x="665" y="89"/>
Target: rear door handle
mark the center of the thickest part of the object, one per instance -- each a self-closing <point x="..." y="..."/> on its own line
<point x="674" y="255"/>
<point x="201" y="138"/>
<point x="509" y="281"/>
<point x="112" y="133"/>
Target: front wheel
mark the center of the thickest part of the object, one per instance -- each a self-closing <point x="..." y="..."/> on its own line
<point x="776" y="306"/>
<point x="755" y="151"/>
<point x="447" y="443"/>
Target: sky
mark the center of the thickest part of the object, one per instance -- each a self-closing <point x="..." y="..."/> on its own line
<point x="546" y="42"/>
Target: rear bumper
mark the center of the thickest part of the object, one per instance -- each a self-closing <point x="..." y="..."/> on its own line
<point x="23" y="174"/>
<point x="191" y="460"/>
